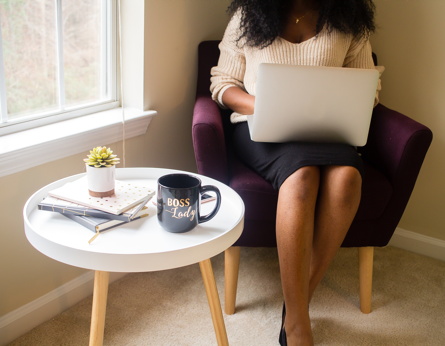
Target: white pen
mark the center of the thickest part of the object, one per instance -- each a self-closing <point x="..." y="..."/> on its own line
<point x="143" y="203"/>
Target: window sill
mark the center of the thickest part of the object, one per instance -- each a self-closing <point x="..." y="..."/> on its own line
<point x="27" y="149"/>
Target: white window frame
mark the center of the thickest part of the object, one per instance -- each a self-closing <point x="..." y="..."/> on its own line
<point x="108" y="73"/>
<point x="29" y="148"/>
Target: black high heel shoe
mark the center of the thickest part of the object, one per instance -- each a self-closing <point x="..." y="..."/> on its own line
<point x="282" y="339"/>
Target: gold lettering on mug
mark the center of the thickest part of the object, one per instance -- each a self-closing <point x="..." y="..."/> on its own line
<point x="180" y="215"/>
<point x="173" y="202"/>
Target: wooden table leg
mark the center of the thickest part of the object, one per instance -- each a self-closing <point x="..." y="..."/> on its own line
<point x="100" y="294"/>
<point x="231" y="270"/>
<point x="214" y="302"/>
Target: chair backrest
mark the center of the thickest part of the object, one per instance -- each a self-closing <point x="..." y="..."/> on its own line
<point x="208" y="54"/>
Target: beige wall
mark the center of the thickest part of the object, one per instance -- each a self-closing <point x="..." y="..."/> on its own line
<point x="410" y="43"/>
<point x="173" y="30"/>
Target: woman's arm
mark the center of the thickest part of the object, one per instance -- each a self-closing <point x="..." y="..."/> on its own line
<point x="227" y="78"/>
<point x="238" y="100"/>
<point x="360" y="56"/>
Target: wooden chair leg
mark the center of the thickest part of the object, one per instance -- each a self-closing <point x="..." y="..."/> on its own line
<point x="366" y="261"/>
<point x="231" y="269"/>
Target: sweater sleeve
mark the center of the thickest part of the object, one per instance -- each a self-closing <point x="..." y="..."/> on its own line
<point x="231" y="64"/>
<point x="360" y="56"/>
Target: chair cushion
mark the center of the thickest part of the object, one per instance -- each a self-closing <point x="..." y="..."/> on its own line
<point x="259" y="196"/>
<point x="261" y="199"/>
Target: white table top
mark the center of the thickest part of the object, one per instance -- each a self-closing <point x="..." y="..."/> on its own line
<point x="141" y="245"/>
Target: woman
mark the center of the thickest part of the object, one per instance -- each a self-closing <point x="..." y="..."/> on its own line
<point x="319" y="185"/>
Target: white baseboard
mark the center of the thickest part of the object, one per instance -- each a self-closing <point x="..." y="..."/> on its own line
<point x="418" y="243"/>
<point x="29" y="316"/>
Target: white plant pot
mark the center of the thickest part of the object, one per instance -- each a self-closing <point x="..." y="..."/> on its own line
<point x="101" y="181"/>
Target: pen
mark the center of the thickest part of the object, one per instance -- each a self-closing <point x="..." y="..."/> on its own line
<point x="143" y="203"/>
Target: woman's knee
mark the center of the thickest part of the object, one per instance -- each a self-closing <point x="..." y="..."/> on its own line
<point x="303" y="183"/>
<point x="349" y="177"/>
<point x="304" y="175"/>
<point x="344" y="181"/>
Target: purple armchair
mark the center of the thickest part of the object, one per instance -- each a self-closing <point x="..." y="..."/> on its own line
<point x="393" y="157"/>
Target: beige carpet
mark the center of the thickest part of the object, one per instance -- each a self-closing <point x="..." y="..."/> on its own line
<point x="170" y="307"/>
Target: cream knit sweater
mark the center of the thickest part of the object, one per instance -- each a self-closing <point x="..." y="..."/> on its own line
<point x="238" y="64"/>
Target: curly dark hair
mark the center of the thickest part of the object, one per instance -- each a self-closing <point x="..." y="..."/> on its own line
<point x="263" y="20"/>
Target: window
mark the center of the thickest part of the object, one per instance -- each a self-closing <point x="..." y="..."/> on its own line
<point x="25" y="148"/>
<point x="57" y="60"/>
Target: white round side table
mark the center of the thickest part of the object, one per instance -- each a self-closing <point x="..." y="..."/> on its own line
<point x="139" y="246"/>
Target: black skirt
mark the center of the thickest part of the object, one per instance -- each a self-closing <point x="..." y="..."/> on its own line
<point x="275" y="162"/>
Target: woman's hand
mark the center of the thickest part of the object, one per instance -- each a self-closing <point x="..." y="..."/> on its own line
<point x="239" y="101"/>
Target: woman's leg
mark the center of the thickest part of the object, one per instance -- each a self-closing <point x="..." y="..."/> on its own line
<point x="295" y="225"/>
<point x="337" y="204"/>
<point x="315" y="209"/>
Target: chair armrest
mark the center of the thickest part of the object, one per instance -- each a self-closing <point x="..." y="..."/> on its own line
<point x="208" y="139"/>
<point x="397" y="145"/>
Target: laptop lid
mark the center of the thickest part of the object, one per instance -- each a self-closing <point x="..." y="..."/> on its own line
<point x="313" y="103"/>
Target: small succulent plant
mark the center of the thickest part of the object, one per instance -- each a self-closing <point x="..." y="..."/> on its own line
<point x="101" y="157"/>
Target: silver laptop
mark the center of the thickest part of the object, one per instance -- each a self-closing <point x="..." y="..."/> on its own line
<point x="317" y="104"/>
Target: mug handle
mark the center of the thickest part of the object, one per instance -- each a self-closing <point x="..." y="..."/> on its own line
<point x="209" y="216"/>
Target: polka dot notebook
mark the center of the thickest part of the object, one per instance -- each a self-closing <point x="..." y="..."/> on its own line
<point x="127" y="195"/>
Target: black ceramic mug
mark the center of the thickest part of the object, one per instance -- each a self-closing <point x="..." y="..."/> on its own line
<point x="179" y="202"/>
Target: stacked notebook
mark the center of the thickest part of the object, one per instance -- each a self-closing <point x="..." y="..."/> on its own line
<point x="99" y="214"/>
